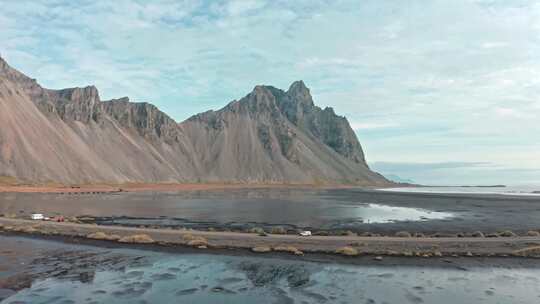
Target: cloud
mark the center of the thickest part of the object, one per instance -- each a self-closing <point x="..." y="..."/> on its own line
<point x="417" y="85"/>
<point x="512" y="113"/>
<point x="372" y="125"/>
<point x="493" y="44"/>
<point x="388" y="166"/>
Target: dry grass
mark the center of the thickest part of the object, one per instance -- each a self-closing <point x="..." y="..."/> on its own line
<point x="507" y="233"/>
<point x="103" y="236"/>
<point x="533" y="233"/>
<point x="137" y="239"/>
<point x="257" y="230"/>
<point x="195" y="241"/>
<point x="27" y="229"/>
<point x="97" y="236"/>
<point x="290" y="249"/>
<point x="348" y="251"/>
<point x="403" y="234"/>
<point x="477" y="234"/>
<point x="198" y="242"/>
<point x="534" y="250"/>
<point x="8" y="180"/>
<point x="261" y="249"/>
<point x="278" y="230"/>
<point x="187" y="237"/>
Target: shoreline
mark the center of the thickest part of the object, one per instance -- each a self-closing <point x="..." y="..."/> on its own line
<point x="331" y="246"/>
<point x="173" y="187"/>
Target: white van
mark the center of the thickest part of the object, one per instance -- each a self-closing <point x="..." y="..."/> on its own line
<point x="305" y="233"/>
<point x="37" y="216"/>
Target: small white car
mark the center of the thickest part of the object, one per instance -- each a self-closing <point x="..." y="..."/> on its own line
<point x="305" y="233"/>
<point x="37" y="216"/>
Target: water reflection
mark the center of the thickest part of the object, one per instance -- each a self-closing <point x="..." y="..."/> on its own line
<point x="225" y="279"/>
<point x="299" y="208"/>
<point x="376" y="213"/>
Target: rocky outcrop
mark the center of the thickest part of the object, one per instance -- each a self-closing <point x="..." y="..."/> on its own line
<point x="269" y="136"/>
<point x="275" y="136"/>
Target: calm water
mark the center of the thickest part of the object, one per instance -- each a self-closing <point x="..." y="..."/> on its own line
<point x="508" y="190"/>
<point x="225" y="279"/>
<point x="301" y="208"/>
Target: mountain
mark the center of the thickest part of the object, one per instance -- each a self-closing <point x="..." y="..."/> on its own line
<point x="269" y="136"/>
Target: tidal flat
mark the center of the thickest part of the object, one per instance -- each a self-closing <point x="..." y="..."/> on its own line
<point x="39" y="271"/>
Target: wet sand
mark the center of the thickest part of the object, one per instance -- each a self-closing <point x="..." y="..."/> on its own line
<point x="391" y="246"/>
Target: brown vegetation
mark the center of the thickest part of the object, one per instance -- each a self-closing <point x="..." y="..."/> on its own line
<point x="261" y="249"/>
<point x="477" y="234"/>
<point x="403" y="234"/>
<point x="137" y="239"/>
<point x="278" y="230"/>
<point x="290" y="249"/>
<point x="533" y="233"/>
<point x="103" y="236"/>
<point x="348" y="251"/>
<point x="529" y="251"/>
<point x="507" y="233"/>
<point x="195" y="241"/>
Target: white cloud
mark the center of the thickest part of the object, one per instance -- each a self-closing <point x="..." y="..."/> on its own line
<point x="238" y="7"/>
<point x="493" y="44"/>
<point x="512" y="113"/>
<point x="372" y="125"/>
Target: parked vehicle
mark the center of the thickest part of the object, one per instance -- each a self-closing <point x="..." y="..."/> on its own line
<point x="37" y="216"/>
<point x="305" y="233"/>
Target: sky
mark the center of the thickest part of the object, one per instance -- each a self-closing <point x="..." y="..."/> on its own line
<point x="440" y="92"/>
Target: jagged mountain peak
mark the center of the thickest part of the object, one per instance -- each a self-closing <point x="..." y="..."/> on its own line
<point x="298" y="85"/>
<point x="78" y="94"/>
<point x="300" y="93"/>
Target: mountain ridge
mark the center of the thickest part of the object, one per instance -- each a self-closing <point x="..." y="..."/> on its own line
<point x="268" y="136"/>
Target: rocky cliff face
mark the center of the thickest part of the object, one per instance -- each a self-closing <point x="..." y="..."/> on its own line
<point x="269" y="136"/>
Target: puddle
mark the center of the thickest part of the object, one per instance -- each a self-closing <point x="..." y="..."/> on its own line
<point x="377" y="213"/>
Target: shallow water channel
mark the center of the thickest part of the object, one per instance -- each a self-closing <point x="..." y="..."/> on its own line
<point x="202" y="278"/>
